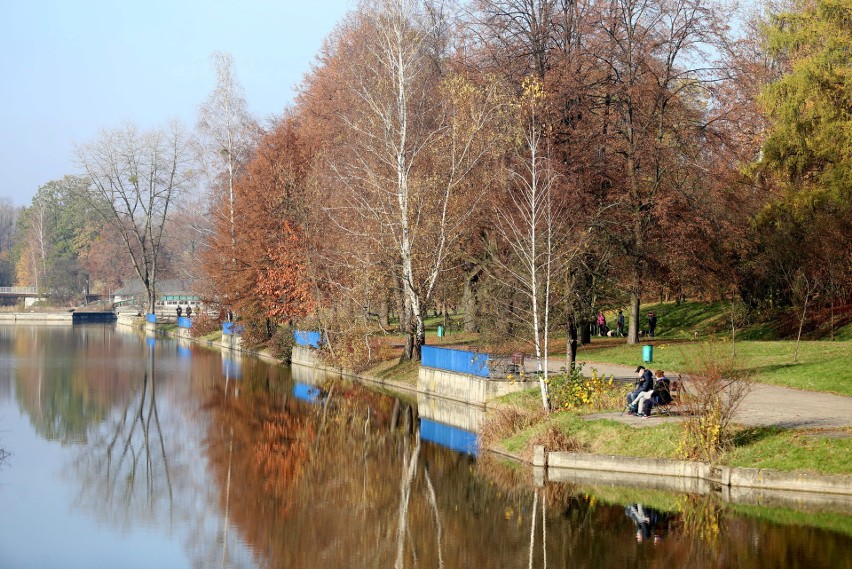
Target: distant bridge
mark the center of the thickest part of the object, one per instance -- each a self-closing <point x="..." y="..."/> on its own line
<point x="18" y="291"/>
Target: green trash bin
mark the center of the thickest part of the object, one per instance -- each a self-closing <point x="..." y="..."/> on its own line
<point x="648" y="353"/>
<point x="440" y="331"/>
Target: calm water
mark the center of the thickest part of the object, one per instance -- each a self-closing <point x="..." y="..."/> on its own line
<point x="127" y="452"/>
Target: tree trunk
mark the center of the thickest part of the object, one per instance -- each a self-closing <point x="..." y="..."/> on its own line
<point x="571" y="351"/>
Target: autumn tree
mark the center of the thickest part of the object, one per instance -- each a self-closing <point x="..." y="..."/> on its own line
<point x="270" y="277"/>
<point x="803" y="232"/>
<point x="54" y="231"/>
<point x="135" y="177"/>
<point x="226" y="135"/>
<point x="534" y="224"/>
<point x="414" y="137"/>
<point x="8" y="224"/>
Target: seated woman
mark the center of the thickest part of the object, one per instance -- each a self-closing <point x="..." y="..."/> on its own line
<point x="659" y="395"/>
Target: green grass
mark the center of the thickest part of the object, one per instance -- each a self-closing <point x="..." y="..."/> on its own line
<point x="831" y="521"/>
<point x="603" y="436"/>
<point x="823" y="365"/>
<point x="394" y="370"/>
<point x="828" y="452"/>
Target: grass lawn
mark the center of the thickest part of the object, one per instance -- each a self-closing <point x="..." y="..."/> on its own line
<point x="823" y="365"/>
<point x="815" y="450"/>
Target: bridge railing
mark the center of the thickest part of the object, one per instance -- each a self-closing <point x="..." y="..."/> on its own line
<point x="18" y="290"/>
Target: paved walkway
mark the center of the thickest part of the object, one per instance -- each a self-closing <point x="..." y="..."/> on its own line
<point x="764" y="405"/>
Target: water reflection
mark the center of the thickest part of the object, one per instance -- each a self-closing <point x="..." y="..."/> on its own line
<point x="230" y="462"/>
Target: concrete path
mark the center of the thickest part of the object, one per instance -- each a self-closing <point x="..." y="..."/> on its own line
<point x="765" y="405"/>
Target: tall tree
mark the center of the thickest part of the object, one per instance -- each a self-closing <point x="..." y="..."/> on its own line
<point x="806" y="161"/>
<point x="227" y="133"/>
<point x="135" y="178"/>
<point x="414" y="140"/>
<point x="533" y="222"/>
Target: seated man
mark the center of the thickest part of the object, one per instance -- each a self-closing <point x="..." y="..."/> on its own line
<point x="644" y="383"/>
<point x="659" y="395"/>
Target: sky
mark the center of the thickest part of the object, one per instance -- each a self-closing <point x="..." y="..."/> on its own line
<point x="69" y="68"/>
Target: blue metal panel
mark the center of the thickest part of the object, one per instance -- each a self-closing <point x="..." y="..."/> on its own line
<point x="184" y="322"/>
<point x="231" y="329"/>
<point x="306" y="392"/>
<point x="307" y="338"/>
<point x="151" y="318"/>
<point x="461" y="361"/>
<point x="450" y="437"/>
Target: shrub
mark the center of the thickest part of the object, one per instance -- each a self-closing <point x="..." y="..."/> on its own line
<point x="710" y="400"/>
<point x="281" y="343"/>
<point x="574" y="390"/>
<point x="204" y="324"/>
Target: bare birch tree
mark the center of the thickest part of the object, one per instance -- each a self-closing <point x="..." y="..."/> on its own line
<point x="135" y="179"/>
<point x="415" y="138"/>
<point x="534" y="225"/>
<point x="227" y="133"/>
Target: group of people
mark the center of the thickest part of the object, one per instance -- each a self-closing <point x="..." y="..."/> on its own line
<point x="179" y="311"/>
<point x="649" y="390"/>
<point x="602" y="329"/>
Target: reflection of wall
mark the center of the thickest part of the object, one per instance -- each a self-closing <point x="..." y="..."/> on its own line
<point x="449" y="412"/>
<point x="453" y="438"/>
<point x="466" y="388"/>
<point x="311" y="375"/>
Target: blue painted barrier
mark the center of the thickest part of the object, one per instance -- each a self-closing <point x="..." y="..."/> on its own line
<point x="305" y="392"/>
<point x="461" y="361"/>
<point x="450" y="437"/>
<point x="152" y="318"/>
<point x="184" y="322"/>
<point x="307" y="338"/>
<point x="232" y="329"/>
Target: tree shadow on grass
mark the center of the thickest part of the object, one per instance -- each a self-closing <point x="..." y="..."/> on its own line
<point x="752" y="435"/>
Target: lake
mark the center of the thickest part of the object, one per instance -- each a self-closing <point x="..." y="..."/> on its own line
<point x="130" y="451"/>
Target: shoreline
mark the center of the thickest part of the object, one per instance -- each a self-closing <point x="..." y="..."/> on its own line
<point x="677" y="475"/>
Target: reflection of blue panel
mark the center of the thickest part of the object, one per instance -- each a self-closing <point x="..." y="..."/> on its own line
<point x="183" y="352"/>
<point x="184" y="322"/>
<point x="151" y="341"/>
<point x="306" y="392"/>
<point x="461" y="361"/>
<point x="232" y="329"/>
<point x="232" y="368"/>
<point x="151" y="318"/>
<point x="307" y="338"/>
<point x="450" y="437"/>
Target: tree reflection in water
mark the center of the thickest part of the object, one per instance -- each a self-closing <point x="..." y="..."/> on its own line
<point x="126" y="459"/>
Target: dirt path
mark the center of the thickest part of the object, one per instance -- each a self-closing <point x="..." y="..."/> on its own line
<point x="765" y="405"/>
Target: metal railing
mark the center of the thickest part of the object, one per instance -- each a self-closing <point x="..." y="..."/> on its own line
<point x="18" y="290"/>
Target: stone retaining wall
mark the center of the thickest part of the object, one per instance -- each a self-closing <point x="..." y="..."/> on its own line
<point x="466" y="388"/>
<point x="657" y="469"/>
<point x="37" y="317"/>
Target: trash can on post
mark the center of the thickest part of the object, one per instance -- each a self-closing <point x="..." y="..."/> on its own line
<point x="648" y="353"/>
<point x="440" y="331"/>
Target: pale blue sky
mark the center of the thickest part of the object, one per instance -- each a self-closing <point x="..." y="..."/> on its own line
<point x="69" y="68"/>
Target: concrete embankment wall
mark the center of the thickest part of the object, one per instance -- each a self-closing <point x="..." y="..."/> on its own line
<point x="696" y="477"/>
<point x="465" y="388"/>
<point x="37" y="317"/>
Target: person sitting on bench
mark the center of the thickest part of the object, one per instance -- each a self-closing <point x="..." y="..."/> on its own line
<point x="644" y="384"/>
<point x="660" y="395"/>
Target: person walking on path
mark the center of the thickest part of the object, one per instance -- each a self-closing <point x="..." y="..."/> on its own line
<point x="619" y="324"/>
<point x="601" y="324"/>
<point x="652" y="323"/>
